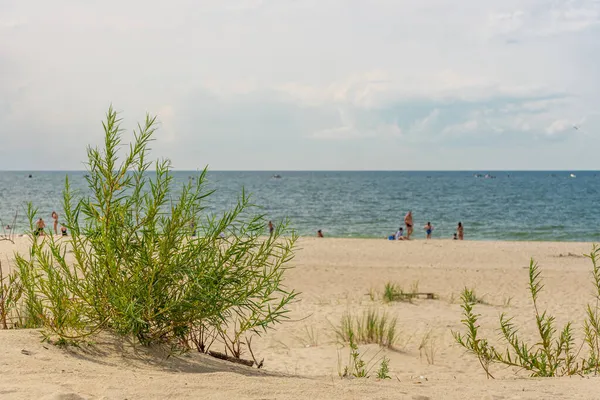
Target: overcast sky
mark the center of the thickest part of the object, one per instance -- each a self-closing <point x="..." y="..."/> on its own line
<point x="306" y="84"/>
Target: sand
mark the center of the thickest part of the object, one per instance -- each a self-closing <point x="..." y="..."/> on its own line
<point x="302" y="356"/>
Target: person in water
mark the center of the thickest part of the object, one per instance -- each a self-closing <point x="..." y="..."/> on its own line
<point x="319" y="233"/>
<point x="408" y="221"/>
<point x="428" y="229"/>
<point x="55" y="218"/>
<point x="40" y="225"/>
<point x="63" y="230"/>
<point x="271" y="228"/>
<point x="460" y="231"/>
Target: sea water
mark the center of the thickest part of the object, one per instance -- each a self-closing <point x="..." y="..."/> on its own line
<point x="515" y="205"/>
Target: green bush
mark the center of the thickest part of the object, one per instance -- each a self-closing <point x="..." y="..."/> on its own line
<point x="133" y="263"/>
<point x="552" y="354"/>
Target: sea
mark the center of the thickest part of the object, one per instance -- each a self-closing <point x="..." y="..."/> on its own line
<point x="492" y="205"/>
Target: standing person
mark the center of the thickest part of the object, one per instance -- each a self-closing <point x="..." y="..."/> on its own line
<point x="408" y="221"/>
<point x="271" y="228"/>
<point x="460" y="231"/>
<point x="55" y="218"/>
<point x="428" y="229"/>
<point x="319" y="233"/>
<point x="40" y="225"/>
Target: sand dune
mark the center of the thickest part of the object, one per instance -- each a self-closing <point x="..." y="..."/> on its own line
<point x="302" y="356"/>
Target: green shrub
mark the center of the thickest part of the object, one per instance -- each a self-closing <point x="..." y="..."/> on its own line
<point x="552" y="354"/>
<point x="137" y="266"/>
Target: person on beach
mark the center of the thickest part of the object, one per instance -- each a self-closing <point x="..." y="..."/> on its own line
<point x="454" y="237"/>
<point x="40" y="225"/>
<point x="319" y="233"/>
<point x="460" y="231"/>
<point x="399" y="234"/>
<point x="271" y="228"/>
<point x="63" y="230"/>
<point x="55" y="218"/>
<point x="428" y="229"/>
<point x="408" y="221"/>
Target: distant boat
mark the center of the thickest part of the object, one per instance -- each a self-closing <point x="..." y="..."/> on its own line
<point x="573" y="176"/>
<point x="276" y="176"/>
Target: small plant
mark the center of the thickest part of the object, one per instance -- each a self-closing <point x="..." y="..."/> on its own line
<point x="553" y="354"/>
<point x="356" y="366"/>
<point x="472" y="297"/>
<point x="371" y="327"/>
<point x="393" y="292"/>
<point x="10" y="298"/>
<point x="384" y="371"/>
<point x="428" y="347"/>
<point x="507" y="302"/>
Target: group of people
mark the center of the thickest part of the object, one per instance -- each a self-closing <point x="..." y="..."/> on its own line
<point x="41" y="225"/>
<point x="408" y="222"/>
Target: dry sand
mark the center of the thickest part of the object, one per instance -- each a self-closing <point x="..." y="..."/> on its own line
<point x="336" y="276"/>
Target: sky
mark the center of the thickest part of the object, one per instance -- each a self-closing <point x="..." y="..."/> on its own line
<point x="305" y="84"/>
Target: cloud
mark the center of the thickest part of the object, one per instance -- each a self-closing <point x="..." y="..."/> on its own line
<point x="250" y="84"/>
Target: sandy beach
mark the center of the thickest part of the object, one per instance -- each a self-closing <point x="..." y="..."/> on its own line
<point x="302" y="356"/>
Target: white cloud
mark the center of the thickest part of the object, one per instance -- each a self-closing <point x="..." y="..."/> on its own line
<point x="242" y="76"/>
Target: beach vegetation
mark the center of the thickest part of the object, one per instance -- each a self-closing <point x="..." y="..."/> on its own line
<point x="555" y="352"/>
<point x="370" y="327"/>
<point x="393" y="292"/>
<point x="472" y="297"/>
<point x="356" y="366"/>
<point x="146" y="260"/>
<point x="10" y="295"/>
<point x="384" y="369"/>
<point x="428" y="347"/>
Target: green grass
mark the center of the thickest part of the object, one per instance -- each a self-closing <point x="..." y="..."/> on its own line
<point x="370" y="327"/>
<point x="393" y="292"/>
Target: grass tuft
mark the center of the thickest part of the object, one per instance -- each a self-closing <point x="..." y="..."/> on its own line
<point x="370" y="327"/>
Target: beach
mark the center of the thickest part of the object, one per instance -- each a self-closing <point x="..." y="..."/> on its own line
<point x="302" y="357"/>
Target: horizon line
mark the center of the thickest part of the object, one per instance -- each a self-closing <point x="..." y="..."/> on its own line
<point x="326" y="170"/>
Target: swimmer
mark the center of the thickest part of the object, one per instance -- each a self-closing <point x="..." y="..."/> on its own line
<point x="428" y="229"/>
<point x="63" y="230"/>
<point x="271" y="228"/>
<point x="40" y="225"/>
<point x="319" y="233"/>
<point x="408" y="221"/>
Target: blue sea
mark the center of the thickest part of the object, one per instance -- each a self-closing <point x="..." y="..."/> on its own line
<point x="513" y="205"/>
